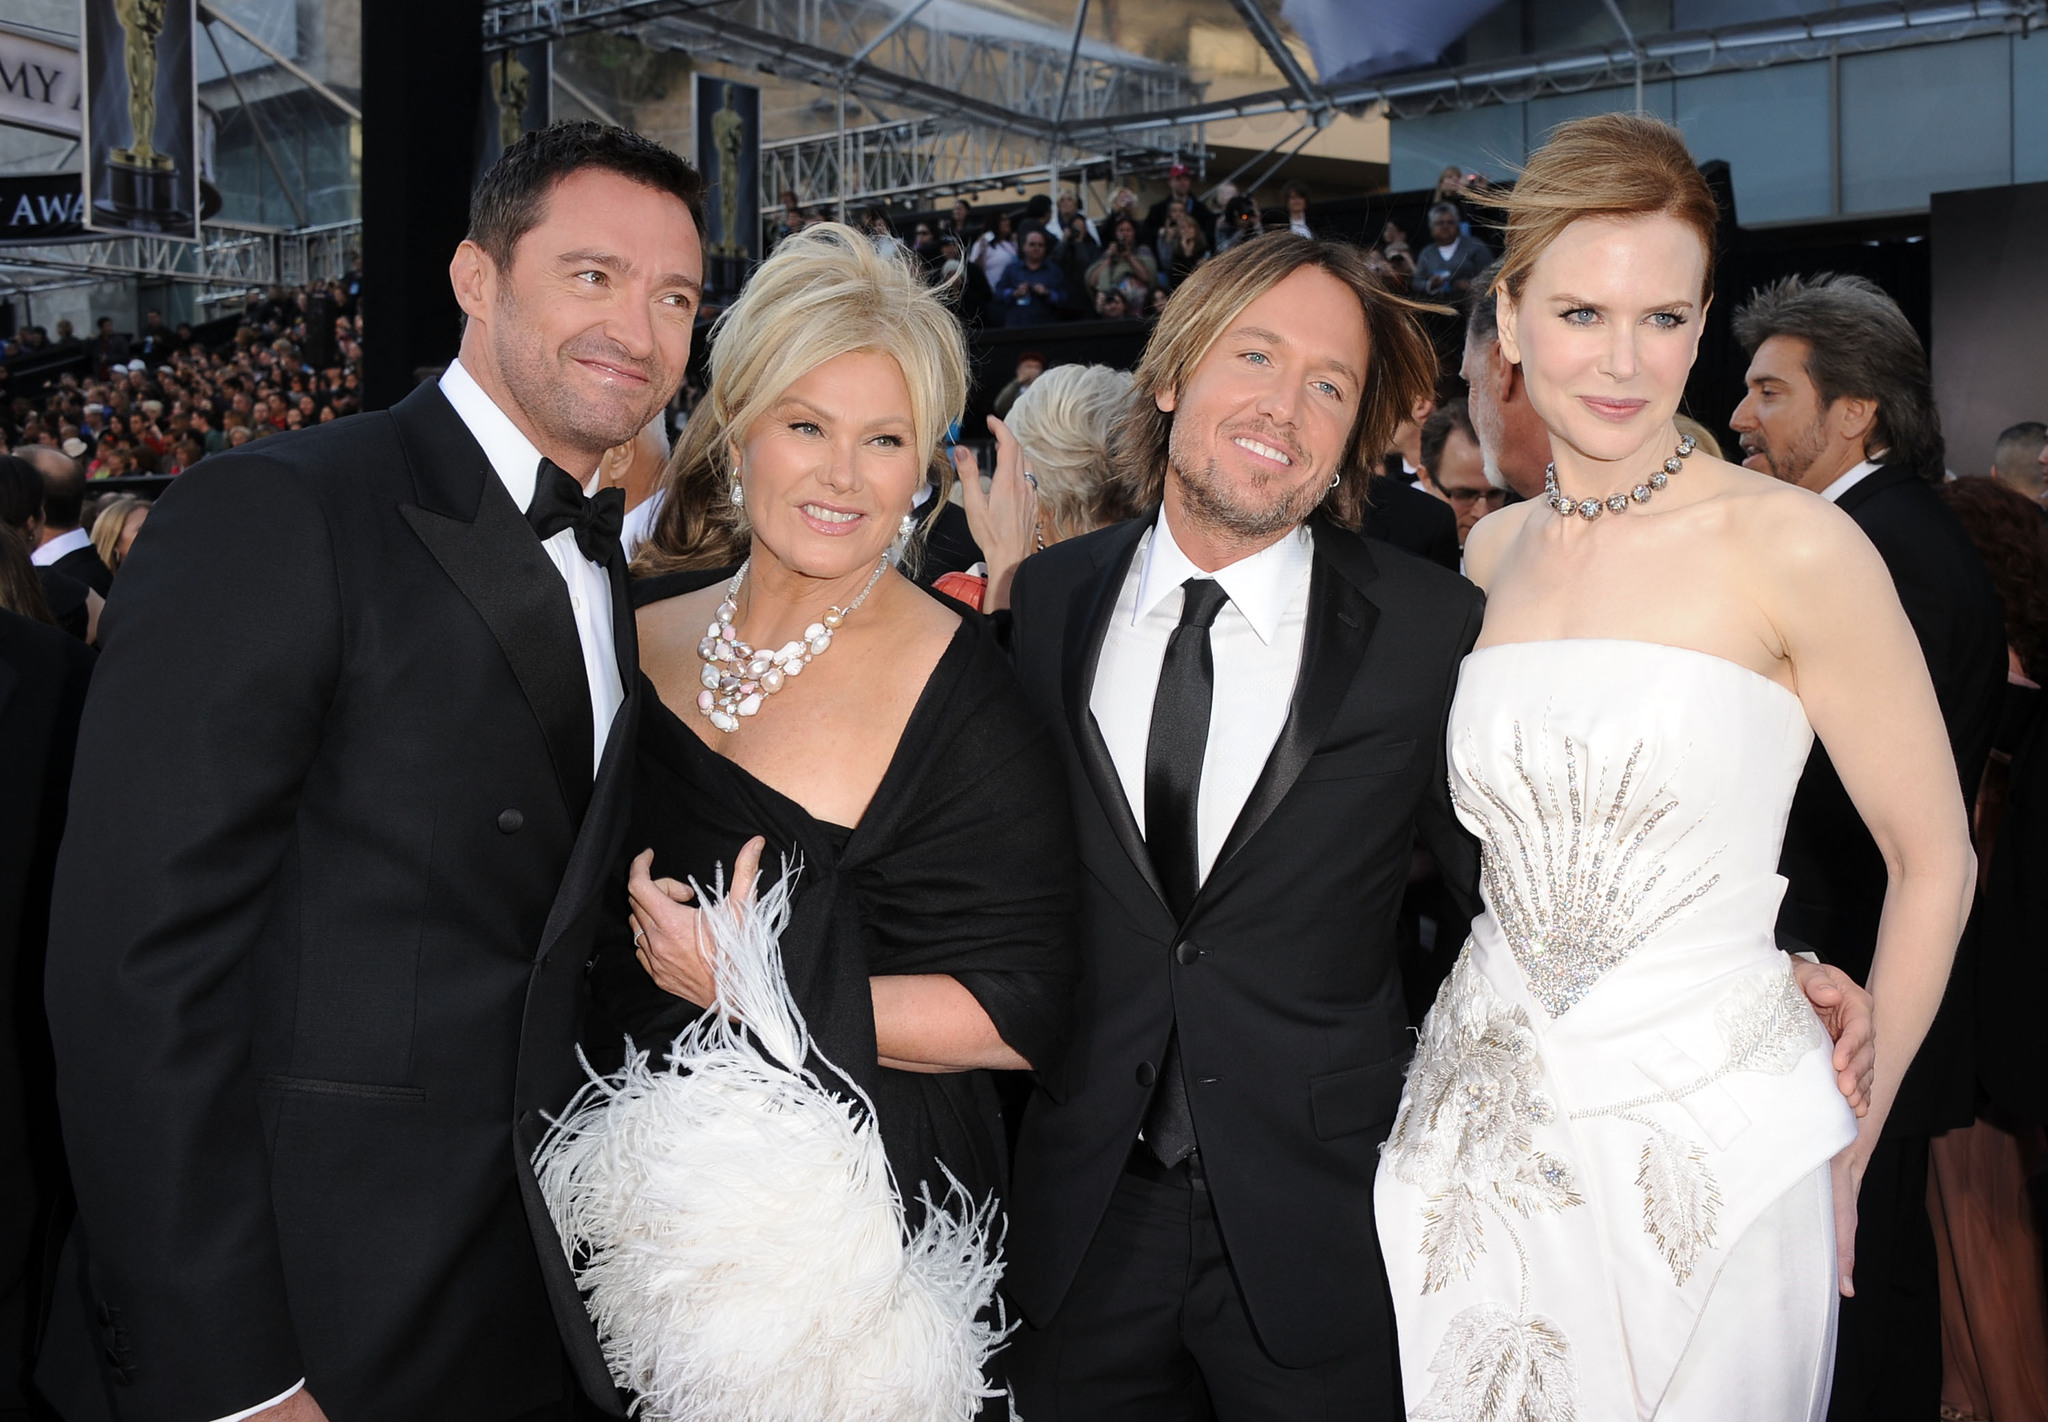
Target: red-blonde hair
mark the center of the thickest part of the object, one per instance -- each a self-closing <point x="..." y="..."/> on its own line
<point x="1609" y="165"/>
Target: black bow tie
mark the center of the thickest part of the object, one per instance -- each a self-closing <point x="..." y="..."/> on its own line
<point x="559" y="503"/>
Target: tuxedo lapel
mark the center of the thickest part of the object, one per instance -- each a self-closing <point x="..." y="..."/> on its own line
<point x="1088" y="614"/>
<point x="1340" y="623"/>
<point x="485" y="545"/>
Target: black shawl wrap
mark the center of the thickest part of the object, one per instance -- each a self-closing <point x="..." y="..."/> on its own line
<point x="963" y="864"/>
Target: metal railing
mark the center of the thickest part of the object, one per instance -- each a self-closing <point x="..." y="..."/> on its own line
<point x="230" y="261"/>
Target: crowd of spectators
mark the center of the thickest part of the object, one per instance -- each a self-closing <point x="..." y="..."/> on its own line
<point x="1048" y="262"/>
<point x="159" y="400"/>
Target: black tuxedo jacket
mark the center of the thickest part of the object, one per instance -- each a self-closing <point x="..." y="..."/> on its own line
<point x="86" y="565"/>
<point x="1836" y="874"/>
<point x="949" y="546"/>
<point x="1419" y="523"/>
<point x="43" y="677"/>
<point x="1293" y="1027"/>
<point x="317" y="957"/>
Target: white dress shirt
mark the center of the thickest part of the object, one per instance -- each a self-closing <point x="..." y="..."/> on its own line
<point x="1833" y="492"/>
<point x="517" y="464"/>
<point x="1256" y="647"/>
<point x="57" y="547"/>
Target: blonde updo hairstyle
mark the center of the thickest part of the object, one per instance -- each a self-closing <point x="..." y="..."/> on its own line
<point x="1608" y="165"/>
<point x="825" y="292"/>
<point x="1062" y="422"/>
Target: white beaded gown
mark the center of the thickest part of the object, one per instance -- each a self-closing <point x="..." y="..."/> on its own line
<point x="1606" y="1193"/>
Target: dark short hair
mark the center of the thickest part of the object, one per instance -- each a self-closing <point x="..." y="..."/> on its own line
<point x="1436" y="431"/>
<point x="21" y="491"/>
<point x="509" y="199"/>
<point x="1859" y="346"/>
<point x="1482" y="313"/>
<point x="2029" y="435"/>
<point x="1295" y="189"/>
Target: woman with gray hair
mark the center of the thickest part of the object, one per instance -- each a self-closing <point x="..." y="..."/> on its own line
<point x="1052" y="476"/>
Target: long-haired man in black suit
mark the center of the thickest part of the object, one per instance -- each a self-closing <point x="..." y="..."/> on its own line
<point x="1252" y="699"/>
<point x="352" y="770"/>
<point x="1840" y="402"/>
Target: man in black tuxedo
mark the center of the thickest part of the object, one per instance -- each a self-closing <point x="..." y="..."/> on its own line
<point x="1253" y="700"/>
<point x="352" y="775"/>
<point x="1839" y="401"/>
<point x="43" y="677"/>
<point x="65" y="546"/>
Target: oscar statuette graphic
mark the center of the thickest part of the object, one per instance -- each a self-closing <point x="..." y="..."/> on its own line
<point x="142" y="186"/>
<point x="729" y="133"/>
<point x="513" y="84"/>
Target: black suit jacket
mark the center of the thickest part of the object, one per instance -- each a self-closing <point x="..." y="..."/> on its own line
<point x="949" y="546"/>
<point x="86" y="565"/>
<point x="43" y="676"/>
<point x="1283" y="976"/>
<point x="1405" y="516"/>
<point x="317" y="957"/>
<point x="1836" y="874"/>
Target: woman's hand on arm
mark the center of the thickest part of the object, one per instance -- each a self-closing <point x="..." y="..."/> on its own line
<point x="929" y="1022"/>
<point x="1004" y="519"/>
<point x="669" y="935"/>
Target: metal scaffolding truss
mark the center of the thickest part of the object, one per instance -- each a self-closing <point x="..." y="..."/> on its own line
<point x="940" y="57"/>
<point x="228" y="264"/>
<point x="927" y="158"/>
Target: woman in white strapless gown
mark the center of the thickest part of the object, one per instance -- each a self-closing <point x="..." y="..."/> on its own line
<point x="1614" y="1187"/>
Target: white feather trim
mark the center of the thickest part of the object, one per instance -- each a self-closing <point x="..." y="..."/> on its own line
<point x="738" y="1236"/>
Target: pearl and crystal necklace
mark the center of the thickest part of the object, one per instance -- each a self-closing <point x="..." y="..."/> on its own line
<point x="1590" y="509"/>
<point x="737" y="679"/>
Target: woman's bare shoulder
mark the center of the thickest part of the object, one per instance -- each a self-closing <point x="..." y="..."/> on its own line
<point x="1492" y="536"/>
<point x="1783" y="525"/>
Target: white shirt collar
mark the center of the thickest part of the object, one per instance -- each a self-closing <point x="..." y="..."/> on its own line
<point x="1850" y="480"/>
<point x="1258" y="586"/>
<point x="511" y="453"/>
<point x="60" y="546"/>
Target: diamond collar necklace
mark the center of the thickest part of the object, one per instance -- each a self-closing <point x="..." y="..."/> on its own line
<point x="1590" y="509"/>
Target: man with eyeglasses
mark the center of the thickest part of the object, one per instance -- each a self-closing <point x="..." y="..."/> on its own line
<point x="1453" y="468"/>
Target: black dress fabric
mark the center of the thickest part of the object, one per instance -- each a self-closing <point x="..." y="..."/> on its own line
<point x="962" y="864"/>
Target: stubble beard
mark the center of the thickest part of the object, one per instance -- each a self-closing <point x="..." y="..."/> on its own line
<point x="1798" y="457"/>
<point x="534" y="379"/>
<point x="1211" y="502"/>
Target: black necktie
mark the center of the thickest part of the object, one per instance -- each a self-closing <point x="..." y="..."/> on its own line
<point x="559" y="503"/>
<point x="1173" y="785"/>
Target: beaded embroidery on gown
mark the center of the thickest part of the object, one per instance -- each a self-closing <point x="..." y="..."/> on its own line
<point x="1620" y="1075"/>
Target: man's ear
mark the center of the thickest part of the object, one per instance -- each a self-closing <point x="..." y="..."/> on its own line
<point x="474" y="276"/>
<point x="1165" y="400"/>
<point x="1855" y="416"/>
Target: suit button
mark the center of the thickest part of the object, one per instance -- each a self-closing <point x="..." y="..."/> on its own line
<point x="511" y="821"/>
<point x="1147" y="1074"/>
<point x="1186" y="953"/>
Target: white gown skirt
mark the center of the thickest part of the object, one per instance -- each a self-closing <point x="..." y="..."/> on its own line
<point x="1764" y="1348"/>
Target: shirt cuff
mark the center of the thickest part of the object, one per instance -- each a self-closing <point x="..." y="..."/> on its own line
<point x="297" y="1387"/>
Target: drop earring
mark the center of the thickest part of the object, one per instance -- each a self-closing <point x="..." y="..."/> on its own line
<point x="738" y="497"/>
<point x="906" y="528"/>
